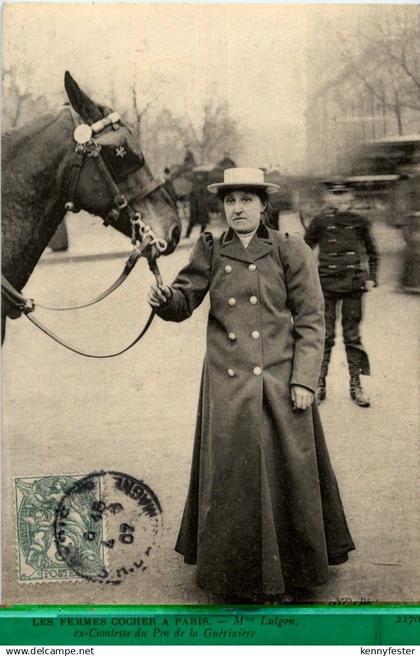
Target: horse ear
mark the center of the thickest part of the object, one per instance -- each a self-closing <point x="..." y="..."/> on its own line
<point x="81" y="102"/>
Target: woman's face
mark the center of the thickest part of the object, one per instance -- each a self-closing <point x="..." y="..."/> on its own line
<point x="243" y="210"/>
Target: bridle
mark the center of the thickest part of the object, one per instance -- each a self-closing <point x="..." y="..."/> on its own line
<point x="86" y="146"/>
<point x="142" y="235"/>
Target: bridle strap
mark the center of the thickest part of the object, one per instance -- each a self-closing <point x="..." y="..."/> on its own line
<point x="128" y="267"/>
<point x="70" y="347"/>
<point x="153" y="184"/>
<point x="26" y="306"/>
<point x="18" y="302"/>
<point x="22" y="305"/>
<point x="76" y="167"/>
<point x="116" y="192"/>
<point x="92" y="149"/>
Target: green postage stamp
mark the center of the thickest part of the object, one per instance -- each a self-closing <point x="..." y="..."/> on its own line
<point x="37" y="502"/>
<point x="102" y="527"/>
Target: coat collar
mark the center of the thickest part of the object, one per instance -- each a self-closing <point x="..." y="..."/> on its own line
<point x="260" y="245"/>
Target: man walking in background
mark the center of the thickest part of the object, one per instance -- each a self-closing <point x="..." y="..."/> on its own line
<point x="348" y="263"/>
<point x="199" y="211"/>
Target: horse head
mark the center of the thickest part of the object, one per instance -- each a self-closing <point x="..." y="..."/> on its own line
<point x="106" y="174"/>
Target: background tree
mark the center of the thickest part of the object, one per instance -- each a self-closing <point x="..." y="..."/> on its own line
<point x="213" y="133"/>
<point x="20" y="105"/>
<point x="388" y="64"/>
<point x="363" y="82"/>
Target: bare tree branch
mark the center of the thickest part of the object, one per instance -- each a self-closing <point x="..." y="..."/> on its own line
<point x="209" y="136"/>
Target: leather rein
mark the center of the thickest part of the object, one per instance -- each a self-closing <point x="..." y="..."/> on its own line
<point x="141" y="234"/>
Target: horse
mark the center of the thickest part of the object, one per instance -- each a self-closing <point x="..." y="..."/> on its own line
<point x="81" y="157"/>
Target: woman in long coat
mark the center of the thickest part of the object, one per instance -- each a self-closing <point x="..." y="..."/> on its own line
<point x="263" y="513"/>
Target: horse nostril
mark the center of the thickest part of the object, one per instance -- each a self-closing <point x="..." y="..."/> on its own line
<point x="173" y="239"/>
<point x="175" y="235"/>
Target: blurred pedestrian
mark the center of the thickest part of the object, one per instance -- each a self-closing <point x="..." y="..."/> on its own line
<point x="263" y="514"/>
<point x="409" y="187"/>
<point x="348" y="262"/>
<point x="168" y="185"/>
<point x="199" y="210"/>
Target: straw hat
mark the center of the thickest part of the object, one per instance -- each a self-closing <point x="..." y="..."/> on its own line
<point x="239" y="178"/>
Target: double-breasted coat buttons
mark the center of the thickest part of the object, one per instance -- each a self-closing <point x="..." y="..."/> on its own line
<point x="255" y="334"/>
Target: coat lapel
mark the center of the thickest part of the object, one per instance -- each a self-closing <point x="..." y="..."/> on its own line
<point x="260" y="245"/>
<point x="233" y="247"/>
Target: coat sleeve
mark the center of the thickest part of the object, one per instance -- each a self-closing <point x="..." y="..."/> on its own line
<point x="306" y="302"/>
<point x="371" y="249"/>
<point x="191" y="284"/>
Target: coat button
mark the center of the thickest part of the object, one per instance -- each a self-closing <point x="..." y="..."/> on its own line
<point x="230" y="372"/>
<point x="253" y="300"/>
<point x="252" y="267"/>
<point x="228" y="268"/>
<point x="232" y="301"/>
<point x="255" y="334"/>
<point x="257" y="371"/>
<point x="232" y="336"/>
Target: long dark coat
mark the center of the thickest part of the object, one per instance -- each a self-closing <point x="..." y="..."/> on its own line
<point x="347" y="252"/>
<point x="263" y="510"/>
<point x="199" y="204"/>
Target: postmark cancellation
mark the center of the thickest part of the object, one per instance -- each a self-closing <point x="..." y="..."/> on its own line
<point x="37" y="500"/>
<point x="100" y="527"/>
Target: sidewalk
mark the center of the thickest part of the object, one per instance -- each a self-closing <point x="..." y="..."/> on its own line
<point x="136" y="414"/>
<point x="89" y="240"/>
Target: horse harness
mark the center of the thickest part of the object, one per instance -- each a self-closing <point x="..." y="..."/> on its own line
<point x="114" y="163"/>
<point x="141" y="234"/>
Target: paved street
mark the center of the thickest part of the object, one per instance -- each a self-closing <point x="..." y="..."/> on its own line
<point x="64" y="414"/>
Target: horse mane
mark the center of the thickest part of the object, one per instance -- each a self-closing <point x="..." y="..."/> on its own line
<point x="13" y="138"/>
<point x="26" y="130"/>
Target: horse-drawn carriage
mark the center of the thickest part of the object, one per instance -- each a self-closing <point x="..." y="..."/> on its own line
<point x="190" y="181"/>
<point x="189" y="172"/>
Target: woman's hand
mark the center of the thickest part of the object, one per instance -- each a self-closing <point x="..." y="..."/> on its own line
<point x="302" y="397"/>
<point x="158" y="296"/>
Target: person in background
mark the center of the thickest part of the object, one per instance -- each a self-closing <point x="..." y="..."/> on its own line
<point x="348" y="263"/>
<point x="168" y="185"/>
<point x="410" y="224"/>
<point x="263" y="517"/>
<point x="199" y="210"/>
